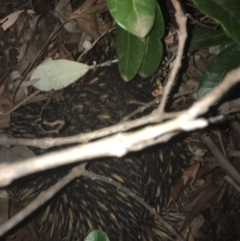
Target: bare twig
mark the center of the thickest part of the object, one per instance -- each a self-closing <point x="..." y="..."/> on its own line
<point x="95" y="42"/>
<point x="230" y="107"/>
<point x="20" y="103"/>
<point x="200" y="23"/>
<point x="78" y="171"/>
<point x="126" y="142"/>
<point x="234" y="153"/>
<point x="106" y="63"/>
<point x="203" y="106"/>
<point x="141" y="109"/>
<point x="221" y="143"/>
<point x="224" y="162"/>
<point x="231" y="181"/>
<point x="45" y="143"/>
<point x="181" y="20"/>
<point x="42" y="198"/>
<point x="140" y="200"/>
<point x="156" y="101"/>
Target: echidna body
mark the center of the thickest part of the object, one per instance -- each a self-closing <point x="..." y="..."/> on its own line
<point x="85" y="205"/>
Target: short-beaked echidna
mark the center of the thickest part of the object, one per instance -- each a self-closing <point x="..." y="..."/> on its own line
<point x="99" y="100"/>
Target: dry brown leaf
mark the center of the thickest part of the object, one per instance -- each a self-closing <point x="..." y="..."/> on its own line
<point x="21" y="27"/>
<point x="102" y="25"/>
<point x="64" y="53"/>
<point x="18" y="96"/>
<point x="176" y="191"/>
<point x="207" y="168"/>
<point x="10" y="19"/>
<point x="187" y="234"/>
<point x="6" y="103"/>
<point x="192" y="172"/>
<point x="191" y="84"/>
<point x="2" y="88"/>
<point x="170" y="39"/>
<point x="86" y="16"/>
<point x="74" y="41"/>
<point x="35" y="47"/>
<point x="211" y="195"/>
<point x="197" y="224"/>
<point x="62" y="11"/>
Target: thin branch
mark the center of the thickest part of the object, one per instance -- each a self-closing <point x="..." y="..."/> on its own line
<point x="20" y="104"/>
<point x="78" y="171"/>
<point x="106" y="63"/>
<point x="203" y="106"/>
<point x="224" y="162"/>
<point x="231" y="182"/>
<point x="234" y="153"/>
<point x="42" y="198"/>
<point x="181" y="20"/>
<point x="95" y="42"/>
<point x="200" y="23"/>
<point x="45" y="143"/>
<point x="126" y="142"/>
<point x="157" y="101"/>
<point x="140" y="200"/>
<point x="229" y="106"/>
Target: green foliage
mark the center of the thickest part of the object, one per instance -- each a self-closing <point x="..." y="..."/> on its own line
<point x="130" y="49"/>
<point x="226" y="60"/>
<point x="225" y="12"/>
<point x="140" y="55"/>
<point x="141" y="27"/>
<point x="58" y="74"/>
<point x="136" y="17"/>
<point x="153" y="47"/>
<point x="97" y="235"/>
<point x="205" y="38"/>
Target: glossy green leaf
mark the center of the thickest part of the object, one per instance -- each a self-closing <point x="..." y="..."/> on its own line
<point x="153" y="47"/>
<point x="205" y="38"/>
<point x="225" y="12"/>
<point x="130" y="50"/>
<point x="226" y="60"/>
<point x="58" y="74"/>
<point x="97" y="235"/>
<point x="135" y="16"/>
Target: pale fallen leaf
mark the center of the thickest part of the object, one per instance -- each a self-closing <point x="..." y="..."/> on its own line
<point x="58" y="74"/>
<point x="9" y="20"/>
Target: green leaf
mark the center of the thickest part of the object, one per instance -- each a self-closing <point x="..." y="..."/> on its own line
<point x="97" y="235"/>
<point x="58" y="74"/>
<point x="130" y="50"/>
<point x="205" y="38"/>
<point x="135" y="16"/>
<point x="153" y="47"/>
<point x="226" y="60"/>
<point x="225" y="12"/>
